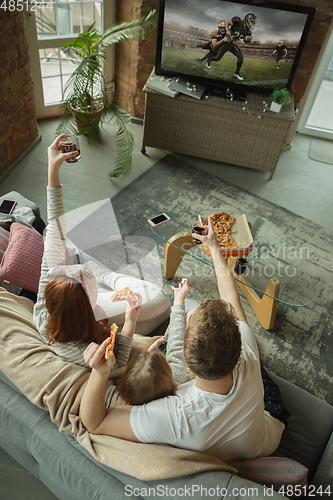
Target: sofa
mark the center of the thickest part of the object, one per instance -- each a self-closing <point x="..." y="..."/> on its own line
<point x="41" y="429"/>
<point x="28" y="434"/>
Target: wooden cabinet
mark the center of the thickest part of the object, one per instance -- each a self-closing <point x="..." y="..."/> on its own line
<point x="218" y="129"/>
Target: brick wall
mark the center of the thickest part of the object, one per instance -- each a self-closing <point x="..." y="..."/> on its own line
<point x="135" y="61"/>
<point x="18" y="123"/>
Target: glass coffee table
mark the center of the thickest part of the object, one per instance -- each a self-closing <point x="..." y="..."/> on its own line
<point x="268" y="272"/>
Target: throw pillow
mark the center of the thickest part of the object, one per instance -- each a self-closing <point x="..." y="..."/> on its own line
<point x="4" y="240"/>
<point x="283" y="474"/>
<point x="22" y="259"/>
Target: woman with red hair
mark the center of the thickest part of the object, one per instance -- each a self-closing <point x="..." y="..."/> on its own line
<point x="67" y="314"/>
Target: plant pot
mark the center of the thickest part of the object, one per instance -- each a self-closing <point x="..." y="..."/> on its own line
<point x="276" y="107"/>
<point x="85" y="119"/>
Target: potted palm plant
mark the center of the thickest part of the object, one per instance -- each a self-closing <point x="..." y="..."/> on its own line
<point x="278" y="98"/>
<point x="89" y="99"/>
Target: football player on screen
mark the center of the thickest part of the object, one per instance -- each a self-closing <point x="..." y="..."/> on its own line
<point x="236" y="29"/>
<point x="280" y="51"/>
<point x="216" y="37"/>
<point x="183" y="44"/>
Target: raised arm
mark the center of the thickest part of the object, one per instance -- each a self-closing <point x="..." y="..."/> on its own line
<point x="55" y="160"/>
<point x="177" y="327"/>
<point x="55" y="244"/>
<point x="55" y="241"/>
<point x="225" y="279"/>
<point x="133" y="310"/>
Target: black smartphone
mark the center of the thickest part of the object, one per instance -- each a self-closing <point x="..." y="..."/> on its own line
<point x="7" y="206"/>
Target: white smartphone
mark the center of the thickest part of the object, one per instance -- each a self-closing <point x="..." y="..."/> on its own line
<point x="159" y="219"/>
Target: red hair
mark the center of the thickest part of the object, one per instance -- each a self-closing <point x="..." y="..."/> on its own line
<point x="71" y="318"/>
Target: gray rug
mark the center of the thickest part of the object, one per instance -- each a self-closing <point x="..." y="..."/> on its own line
<point x="300" y="346"/>
<point x="321" y="150"/>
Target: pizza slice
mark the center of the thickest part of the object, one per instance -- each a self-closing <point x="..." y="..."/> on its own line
<point x="123" y="294"/>
<point x="110" y="346"/>
<point x="222" y="223"/>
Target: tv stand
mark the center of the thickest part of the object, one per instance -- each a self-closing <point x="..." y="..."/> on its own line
<point x="217" y="129"/>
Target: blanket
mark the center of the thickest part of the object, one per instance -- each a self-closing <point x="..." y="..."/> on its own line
<point x="57" y="386"/>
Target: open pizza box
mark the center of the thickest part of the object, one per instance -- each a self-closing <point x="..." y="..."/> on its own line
<point x="240" y="233"/>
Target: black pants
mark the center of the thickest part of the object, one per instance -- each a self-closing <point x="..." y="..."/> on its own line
<point x="229" y="47"/>
<point x="206" y="46"/>
<point x="272" y="398"/>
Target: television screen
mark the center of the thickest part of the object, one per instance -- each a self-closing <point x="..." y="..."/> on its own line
<point x="253" y="45"/>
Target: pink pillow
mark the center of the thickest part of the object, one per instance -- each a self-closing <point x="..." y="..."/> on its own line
<point x="4" y="240"/>
<point x="22" y="259"/>
<point x="283" y="474"/>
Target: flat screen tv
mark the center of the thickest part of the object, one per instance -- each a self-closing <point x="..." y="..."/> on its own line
<point x="248" y="45"/>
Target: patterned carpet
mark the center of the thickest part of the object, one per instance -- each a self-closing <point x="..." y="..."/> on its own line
<point x="300" y="346"/>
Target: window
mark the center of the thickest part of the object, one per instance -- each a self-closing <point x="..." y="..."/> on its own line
<point x="56" y="68"/>
<point x="61" y="19"/>
<point x="52" y="25"/>
<point x="67" y="17"/>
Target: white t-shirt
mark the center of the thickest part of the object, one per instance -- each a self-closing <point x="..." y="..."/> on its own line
<point x="231" y="426"/>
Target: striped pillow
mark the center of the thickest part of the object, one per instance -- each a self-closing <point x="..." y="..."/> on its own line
<point x="4" y="240"/>
<point x="277" y="472"/>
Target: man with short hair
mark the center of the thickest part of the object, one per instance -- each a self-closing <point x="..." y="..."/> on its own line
<point x="221" y="410"/>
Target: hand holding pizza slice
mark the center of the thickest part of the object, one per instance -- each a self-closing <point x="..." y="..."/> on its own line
<point x="134" y="299"/>
<point x="112" y="341"/>
<point x="123" y="294"/>
<point x="222" y="223"/>
<point x="134" y="307"/>
<point x="94" y="356"/>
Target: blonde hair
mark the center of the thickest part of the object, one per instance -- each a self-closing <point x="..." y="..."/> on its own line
<point x="148" y="376"/>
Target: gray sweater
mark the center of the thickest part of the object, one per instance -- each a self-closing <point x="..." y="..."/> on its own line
<point x="175" y="345"/>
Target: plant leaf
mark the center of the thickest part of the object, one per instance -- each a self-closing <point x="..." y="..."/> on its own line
<point x="87" y="86"/>
<point x="124" y="144"/>
<point x="129" y="30"/>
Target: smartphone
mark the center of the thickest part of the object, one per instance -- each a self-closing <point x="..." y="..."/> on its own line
<point x="7" y="206"/>
<point x="159" y="219"/>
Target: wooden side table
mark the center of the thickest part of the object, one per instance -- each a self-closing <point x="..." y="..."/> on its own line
<point x="217" y="129"/>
